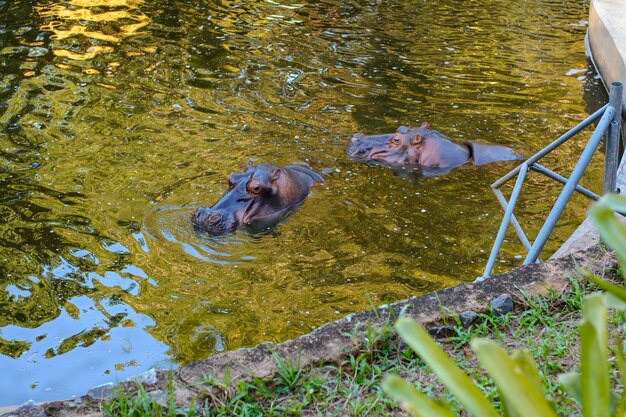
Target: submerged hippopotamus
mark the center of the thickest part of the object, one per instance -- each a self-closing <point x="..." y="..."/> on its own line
<point x="426" y="149"/>
<point x="257" y="198"/>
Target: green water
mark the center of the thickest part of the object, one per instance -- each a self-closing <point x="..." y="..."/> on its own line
<point x="119" y="117"/>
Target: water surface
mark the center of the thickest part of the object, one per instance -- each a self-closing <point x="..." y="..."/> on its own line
<point x="119" y="117"/>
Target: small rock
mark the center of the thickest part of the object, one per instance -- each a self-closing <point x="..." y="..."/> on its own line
<point x="101" y="392"/>
<point x="402" y="345"/>
<point x="502" y="305"/>
<point x="149" y="377"/>
<point x="467" y="318"/>
<point x="160" y="397"/>
<point x="442" y="332"/>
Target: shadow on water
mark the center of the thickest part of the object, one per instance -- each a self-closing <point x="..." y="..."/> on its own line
<point x="118" y="117"/>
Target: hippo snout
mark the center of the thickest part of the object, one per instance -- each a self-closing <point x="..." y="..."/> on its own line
<point x="212" y="221"/>
<point x="357" y="137"/>
<point x="357" y="148"/>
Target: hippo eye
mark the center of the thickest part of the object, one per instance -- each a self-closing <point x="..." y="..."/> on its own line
<point x="395" y="141"/>
<point x="255" y="188"/>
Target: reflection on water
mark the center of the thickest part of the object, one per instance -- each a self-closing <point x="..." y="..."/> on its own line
<point x="118" y="117"/>
<point x="103" y="20"/>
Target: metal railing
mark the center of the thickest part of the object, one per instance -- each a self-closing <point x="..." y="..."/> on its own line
<point x="610" y="116"/>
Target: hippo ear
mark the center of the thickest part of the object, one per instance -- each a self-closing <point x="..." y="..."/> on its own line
<point x="250" y="164"/>
<point x="425" y="125"/>
<point x="417" y="139"/>
<point x="275" y="175"/>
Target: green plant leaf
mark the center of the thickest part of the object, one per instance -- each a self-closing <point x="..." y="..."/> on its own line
<point x="609" y="226"/>
<point x="615" y="290"/>
<point x="571" y="383"/>
<point x="620" y="362"/>
<point x="416" y="403"/>
<point x="614" y="302"/>
<point x="522" y="395"/>
<point x="527" y="364"/>
<point x="448" y="372"/>
<point x="594" y="361"/>
<point x="595" y="312"/>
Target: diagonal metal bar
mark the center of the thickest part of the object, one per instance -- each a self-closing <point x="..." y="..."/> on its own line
<point x="569" y="187"/>
<point x="516" y="226"/>
<point x="536" y="157"/>
<point x="506" y="220"/>
<point x="559" y="178"/>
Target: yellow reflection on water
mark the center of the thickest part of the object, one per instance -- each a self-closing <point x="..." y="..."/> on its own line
<point x="109" y="21"/>
<point x="89" y="54"/>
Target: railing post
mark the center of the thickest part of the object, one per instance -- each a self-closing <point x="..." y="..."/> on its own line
<point x="611" y="157"/>
<point x="623" y="129"/>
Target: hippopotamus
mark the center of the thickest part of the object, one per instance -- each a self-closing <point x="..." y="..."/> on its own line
<point x="257" y="198"/>
<point x="421" y="147"/>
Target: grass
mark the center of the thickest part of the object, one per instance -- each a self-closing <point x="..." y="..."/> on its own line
<point x="546" y="327"/>
<point x="143" y="403"/>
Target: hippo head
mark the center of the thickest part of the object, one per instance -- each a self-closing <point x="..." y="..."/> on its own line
<point x="260" y="195"/>
<point x="399" y="148"/>
<point x="431" y="152"/>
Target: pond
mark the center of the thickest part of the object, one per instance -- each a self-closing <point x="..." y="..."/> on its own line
<point x="119" y="117"/>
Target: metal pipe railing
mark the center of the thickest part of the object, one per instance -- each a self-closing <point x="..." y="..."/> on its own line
<point x="559" y="178"/>
<point x="569" y="187"/>
<point x="610" y="116"/>
<point x="536" y="157"/>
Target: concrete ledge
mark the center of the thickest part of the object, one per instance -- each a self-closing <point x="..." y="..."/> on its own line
<point x="606" y="39"/>
<point x="584" y="237"/>
<point x="335" y="341"/>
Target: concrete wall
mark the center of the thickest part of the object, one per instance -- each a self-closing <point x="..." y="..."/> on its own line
<point x="606" y="39"/>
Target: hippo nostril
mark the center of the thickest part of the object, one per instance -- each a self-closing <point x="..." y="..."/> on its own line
<point x="215" y="218"/>
<point x="357" y="137"/>
<point x="213" y="222"/>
